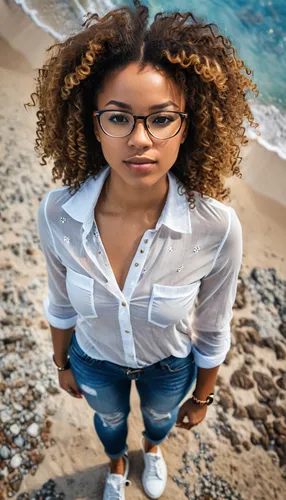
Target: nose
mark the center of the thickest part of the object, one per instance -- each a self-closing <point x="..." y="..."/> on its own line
<point x="139" y="137"/>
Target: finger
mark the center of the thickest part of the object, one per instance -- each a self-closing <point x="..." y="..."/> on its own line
<point x="76" y="390"/>
<point x="181" y="416"/>
<point x="71" y="391"/>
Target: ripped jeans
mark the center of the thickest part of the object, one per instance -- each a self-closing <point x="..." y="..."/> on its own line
<point x="106" y="387"/>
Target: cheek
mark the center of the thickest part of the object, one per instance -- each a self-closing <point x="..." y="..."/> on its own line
<point x="168" y="151"/>
<point x="112" y="150"/>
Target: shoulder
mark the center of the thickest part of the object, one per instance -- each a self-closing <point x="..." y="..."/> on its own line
<point x="52" y="201"/>
<point x="216" y="216"/>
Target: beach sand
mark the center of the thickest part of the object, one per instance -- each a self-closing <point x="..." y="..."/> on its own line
<point x="76" y="459"/>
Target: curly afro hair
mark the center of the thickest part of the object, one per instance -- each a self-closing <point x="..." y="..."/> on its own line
<point x="203" y="62"/>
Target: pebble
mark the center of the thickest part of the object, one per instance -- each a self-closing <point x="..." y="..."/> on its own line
<point x="5" y="417"/>
<point x="19" y="441"/>
<point x="33" y="430"/>
<point x="5" y="452"/>
<point x="15" y="429"/>
<point x="16" y="461"/>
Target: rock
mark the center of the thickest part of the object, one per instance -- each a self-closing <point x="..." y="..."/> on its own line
<point x="19" y="441"/>
<point x="280" y="351"/>
<point x="282" y="329"/>
<point x="16" y="461"/>
<point x="281" y="382"/>
<point x="15" y="429"/>
<point x="255" y="439"/>
<point x="269" y="342"/>
<point x="219" y="381"/>
<point x="240" y="379"/>
<point x="277" y="410"/>
<point x="5" y="416"/>
<point x="248" y="348"/>
<point x="5" y="452"/>
<point x="247" y="445"/>
<point x="241" y="336"/>
<point x="33" y="430"/>
<point x="240" y="412"/>
<point x="265" y="442"/>
<point x="249" y="322"/>
<point x="254" y="337"/>
<point x="234" y="438"/>
<point x="258" y="412"/>
<point x="273" y="370"/>
<point x="238" y="449"/>
<point x="249" y="360"/>
<point x="265" y="384"/>
<point x="240" y="299"/>
<point x="279" y="428"/>
<point x="229" y="357"/>
<point x="225" y="399"/>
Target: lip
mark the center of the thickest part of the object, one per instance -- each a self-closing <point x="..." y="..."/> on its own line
<point x="140" y="167"/>
<point x="140" y="159"/>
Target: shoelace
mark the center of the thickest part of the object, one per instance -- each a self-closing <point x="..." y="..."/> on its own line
<point x="115" y="489"/>
<point x="154" y="466"/>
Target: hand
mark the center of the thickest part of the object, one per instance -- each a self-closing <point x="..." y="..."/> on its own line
<point x="195" y="413"/>
<point x="68" y="383"/>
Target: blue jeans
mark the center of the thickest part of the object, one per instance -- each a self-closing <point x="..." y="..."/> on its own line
<point x="106" y="387"/>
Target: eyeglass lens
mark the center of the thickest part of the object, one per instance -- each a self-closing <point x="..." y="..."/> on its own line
<point x="162" y="125"/>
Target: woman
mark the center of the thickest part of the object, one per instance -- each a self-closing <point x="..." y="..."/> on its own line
<point x="143" y="125"/>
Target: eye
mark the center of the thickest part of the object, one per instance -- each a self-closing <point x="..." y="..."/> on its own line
<point x="163" y="120"/>
<point x="118" y="118"/>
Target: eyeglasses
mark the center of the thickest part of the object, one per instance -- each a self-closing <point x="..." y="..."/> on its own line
<point x="163" y="125"/>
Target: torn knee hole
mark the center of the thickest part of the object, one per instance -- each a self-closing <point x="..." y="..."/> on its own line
<point x="158" y="417"/>
<point x="111" y="418"/>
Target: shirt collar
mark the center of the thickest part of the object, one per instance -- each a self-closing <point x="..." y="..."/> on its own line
<point x="175" y="215"/>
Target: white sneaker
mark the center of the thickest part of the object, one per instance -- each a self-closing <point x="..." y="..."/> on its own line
<point x="115" y="483"/>
<point x="154" y="478"/>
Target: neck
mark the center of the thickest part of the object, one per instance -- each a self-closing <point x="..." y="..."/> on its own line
<point x="127" y="200"/>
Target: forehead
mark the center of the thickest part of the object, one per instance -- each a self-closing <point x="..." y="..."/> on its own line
<point x="140" y="88"/>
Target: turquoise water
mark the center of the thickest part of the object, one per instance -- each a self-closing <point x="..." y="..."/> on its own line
<point x="257" y="29"/>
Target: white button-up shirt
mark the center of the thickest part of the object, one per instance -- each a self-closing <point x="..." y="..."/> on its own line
<point x="179" y="291"/>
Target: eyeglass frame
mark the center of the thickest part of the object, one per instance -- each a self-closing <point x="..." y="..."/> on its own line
<point x="136" y="117"/>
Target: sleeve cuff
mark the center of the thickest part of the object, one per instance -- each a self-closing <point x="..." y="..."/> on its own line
<point x="62" y="323"/>
<point x="203" y="361"/>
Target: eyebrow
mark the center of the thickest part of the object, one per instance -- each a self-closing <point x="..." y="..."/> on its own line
<point x="155" y="106"/>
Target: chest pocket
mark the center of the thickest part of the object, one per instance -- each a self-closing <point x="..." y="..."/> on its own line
<point x="169" y="304"/>
<point x="81" y="293"/>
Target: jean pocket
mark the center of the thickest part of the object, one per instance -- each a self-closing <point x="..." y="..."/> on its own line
<point x="77" y="351"/>
<point x="174" y="364"/>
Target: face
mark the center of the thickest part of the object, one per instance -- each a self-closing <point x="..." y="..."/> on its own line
<point x="140" y="92"/>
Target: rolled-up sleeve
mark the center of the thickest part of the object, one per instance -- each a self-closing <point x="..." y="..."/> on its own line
<point x="211" y="336"/>
<point x="57" y="307"/>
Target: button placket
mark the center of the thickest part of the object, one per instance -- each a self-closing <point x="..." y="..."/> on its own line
<point x="126" y="333"/>
<point x="102" y="269"/>
<point x="137" y="269"/>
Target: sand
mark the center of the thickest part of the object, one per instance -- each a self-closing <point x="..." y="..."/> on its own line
<point x="77" y="461"/>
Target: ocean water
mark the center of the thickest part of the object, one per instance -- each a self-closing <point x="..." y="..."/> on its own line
<point x="257" y="29"/>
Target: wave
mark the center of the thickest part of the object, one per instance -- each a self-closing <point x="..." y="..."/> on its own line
<point x="272" y="126"/>
<point x="62" y="18"/>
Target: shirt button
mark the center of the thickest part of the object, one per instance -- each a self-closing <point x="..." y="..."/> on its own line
<point x="142" y="251"/>
<point x="123" y="304"/>
<point x="127" y="331"/>
<point x="136" y="264"/>
<point x="146" y="241"/>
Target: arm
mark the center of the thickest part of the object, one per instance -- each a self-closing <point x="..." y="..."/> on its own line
<point x="57" y="307"/>
<point x="211" y="335"/>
